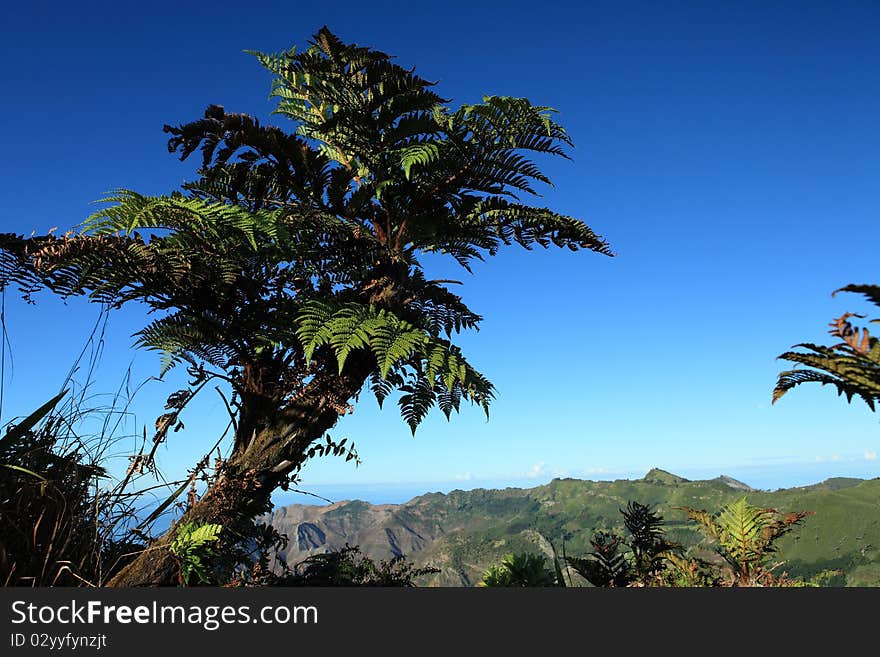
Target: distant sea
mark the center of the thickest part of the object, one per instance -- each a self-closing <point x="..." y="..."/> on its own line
<point x="763" y="477"/>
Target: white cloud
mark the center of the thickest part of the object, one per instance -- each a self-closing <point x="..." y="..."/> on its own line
<point x="537" y="470"/>
<point x="837" y="458"/>
<point x="464" y="476"/>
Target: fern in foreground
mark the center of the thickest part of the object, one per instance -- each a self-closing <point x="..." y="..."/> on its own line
<point x="745" y="536"/>
<point x="290" y="271"/>
<point x="193" y="548"/>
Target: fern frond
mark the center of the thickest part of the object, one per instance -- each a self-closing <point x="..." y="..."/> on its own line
<point x="396" y="345"/>
<point x="852" y="366"/>
<point x="393" y="341"/>
<point x="743" y="531"/>
<point x="705" y="520"/>
<point x="790" y="379"/>
<point x="182" y="334"/>
<point x="850" y="373"/>
<point x="870" y="292"/>
<point x="384" y="386"/>
<point x="313" y="325"/>
<point x="420" y="153"/>
<point x="417" y="400"/>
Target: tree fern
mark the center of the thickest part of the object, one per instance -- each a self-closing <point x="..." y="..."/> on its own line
<point x="290" y="267"/>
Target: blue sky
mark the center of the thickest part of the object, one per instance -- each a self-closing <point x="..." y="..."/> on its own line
<point x="729" y="153"/>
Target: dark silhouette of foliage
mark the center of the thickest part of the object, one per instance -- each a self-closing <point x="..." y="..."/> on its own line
<point x="606" y="565"/>
<point x="55" y="529"/>
<point x="289" y="270"/>
<point x="349" y="567"/>
<point x="646" y="560"/>
<point x="646" y="541"/>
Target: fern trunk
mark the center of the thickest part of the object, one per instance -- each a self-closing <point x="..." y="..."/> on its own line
<point x="265" y="452"/>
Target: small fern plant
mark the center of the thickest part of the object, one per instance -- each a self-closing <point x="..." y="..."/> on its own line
<point x="521" y="570"/>
<point x="193" y="548"/>
<point x="745" y="537"/>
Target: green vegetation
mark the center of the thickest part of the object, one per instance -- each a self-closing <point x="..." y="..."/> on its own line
<point x="57" y="526"/>
<point x="649" y="551"/>
<point x="606" y="565"/>
<point x="467" y="532"/>
<point x="521" y="570"/>
<point x="45" y="513"/>
<point x="289" y="270"/>
<point x="192" y="546"/>
<point x="348" y="567"/>
<point x="744" y="534"/>
<point x="289" y="276"/>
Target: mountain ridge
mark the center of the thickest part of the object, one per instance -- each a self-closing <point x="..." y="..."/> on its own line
<point x="464" y="531"/>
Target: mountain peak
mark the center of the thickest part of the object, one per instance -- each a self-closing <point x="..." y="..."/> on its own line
<point x="730" y="482"/>
<point x="658" y="476"/>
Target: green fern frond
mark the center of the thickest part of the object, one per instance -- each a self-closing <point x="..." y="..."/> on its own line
<point x="355" y="326"/>
<point x="384" y="386"/>
<point x="312" y="329"/>
<point x="421" y="153"/>
<point x="851" y="366"/>
<point x="705" y="520"/>
<point x="395" y="341"/>
<point x="129" y="211"/>
<point x="790" y="379"/>
<point x="742" y="534"/>
<point x="417" y="400"/>
<point x="178" y="335"/>
<point x="348" y="330"/>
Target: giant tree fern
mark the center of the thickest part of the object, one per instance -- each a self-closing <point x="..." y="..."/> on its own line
<point x="290" y="267"/>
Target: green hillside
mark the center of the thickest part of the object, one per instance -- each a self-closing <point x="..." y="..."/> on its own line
<point x="464" y="532"/>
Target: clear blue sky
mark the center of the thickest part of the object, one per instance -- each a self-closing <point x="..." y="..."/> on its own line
<point x="728" y="151"/>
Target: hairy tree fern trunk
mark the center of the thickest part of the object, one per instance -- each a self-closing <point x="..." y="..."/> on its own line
<point x="265" y="453"/>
